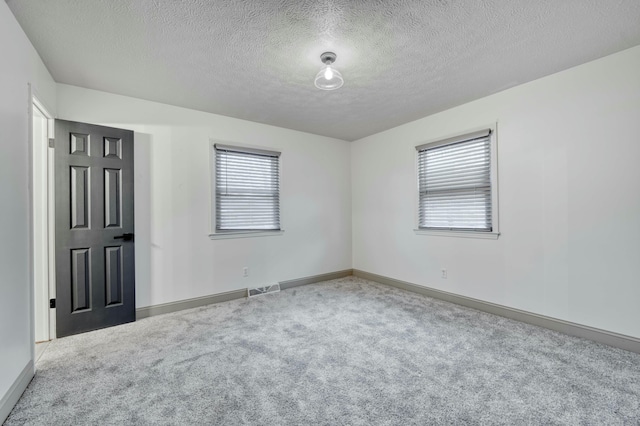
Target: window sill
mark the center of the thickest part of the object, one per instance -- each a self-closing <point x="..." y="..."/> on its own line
<point x="459" y="234"/>
<point x="244" y="234"/>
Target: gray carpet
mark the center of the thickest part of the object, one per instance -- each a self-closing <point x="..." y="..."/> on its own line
<point x="342" y="352"/>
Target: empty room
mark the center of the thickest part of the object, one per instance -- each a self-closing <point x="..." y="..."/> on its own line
<point x="324" y="212"/>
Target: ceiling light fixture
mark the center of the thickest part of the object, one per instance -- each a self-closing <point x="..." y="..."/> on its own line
<point x="328" y="78"/>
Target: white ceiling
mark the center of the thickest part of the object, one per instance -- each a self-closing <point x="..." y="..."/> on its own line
<point x="256" y="60"/>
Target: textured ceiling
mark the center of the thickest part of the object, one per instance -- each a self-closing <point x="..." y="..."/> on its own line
<point x="256" y="60"/>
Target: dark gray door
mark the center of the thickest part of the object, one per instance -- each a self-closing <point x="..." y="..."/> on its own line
<point x="95" y="285"/>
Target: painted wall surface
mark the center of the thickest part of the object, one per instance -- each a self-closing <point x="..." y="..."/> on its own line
<point x="19" y="65"/>
<point x="569" y="199"/>
<point x="175" y="258"/>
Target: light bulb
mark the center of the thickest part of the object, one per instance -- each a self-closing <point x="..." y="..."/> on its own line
<point x="328" y="78"/>
<point x="328" y="73"/>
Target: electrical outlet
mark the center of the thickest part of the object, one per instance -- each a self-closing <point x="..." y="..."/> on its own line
<point x="245" y="271"/>
<point x="444" y="274"/>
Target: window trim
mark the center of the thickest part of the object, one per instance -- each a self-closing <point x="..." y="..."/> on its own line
<point x="215" y="234"/>
<point x="447" y="139"/>
<point x="244" y="234"/>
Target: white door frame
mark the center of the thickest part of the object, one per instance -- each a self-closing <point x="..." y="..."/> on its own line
<point x="42" y="197"/>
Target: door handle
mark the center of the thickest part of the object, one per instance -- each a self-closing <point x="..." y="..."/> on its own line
<point x="124" y="237"/>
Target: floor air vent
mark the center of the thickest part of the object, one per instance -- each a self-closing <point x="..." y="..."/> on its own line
<point x="263" y="290"/>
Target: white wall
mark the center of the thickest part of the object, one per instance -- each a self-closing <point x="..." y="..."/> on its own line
<point x="175" y="259"/>
<point x="569" y="178"/>
<point x="19" y="65"/>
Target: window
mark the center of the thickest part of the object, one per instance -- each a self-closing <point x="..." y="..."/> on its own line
<point x="456" y="184"/>
<point x="247" y="189"/>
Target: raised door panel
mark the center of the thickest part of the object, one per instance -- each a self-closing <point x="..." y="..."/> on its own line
<point x="79" y="144"/>
<point x="112" y="199"/>
<point x="113" y="275"/>
<point x="79" y="186"/>
<point x="113" y="148"/>
<point x="81" y="279"/>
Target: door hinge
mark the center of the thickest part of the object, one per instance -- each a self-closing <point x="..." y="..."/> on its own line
<point x="52" y="142"/>
<point x="52" y="303"/>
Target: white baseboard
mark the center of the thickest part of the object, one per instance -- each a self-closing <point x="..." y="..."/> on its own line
<point x="609" y="338"/>
<point x="165" y="308"/>
<point x="315" y="279"/>
<point x="16" y="390"/>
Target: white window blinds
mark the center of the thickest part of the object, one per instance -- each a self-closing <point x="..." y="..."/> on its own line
<point x="247" y="189"/>
<point x="455" y="183"/>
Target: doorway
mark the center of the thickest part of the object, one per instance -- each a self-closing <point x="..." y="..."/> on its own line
<point x="82" y="226"/>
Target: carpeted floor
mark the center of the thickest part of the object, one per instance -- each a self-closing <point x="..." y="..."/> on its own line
<point x="342" y="352"/>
